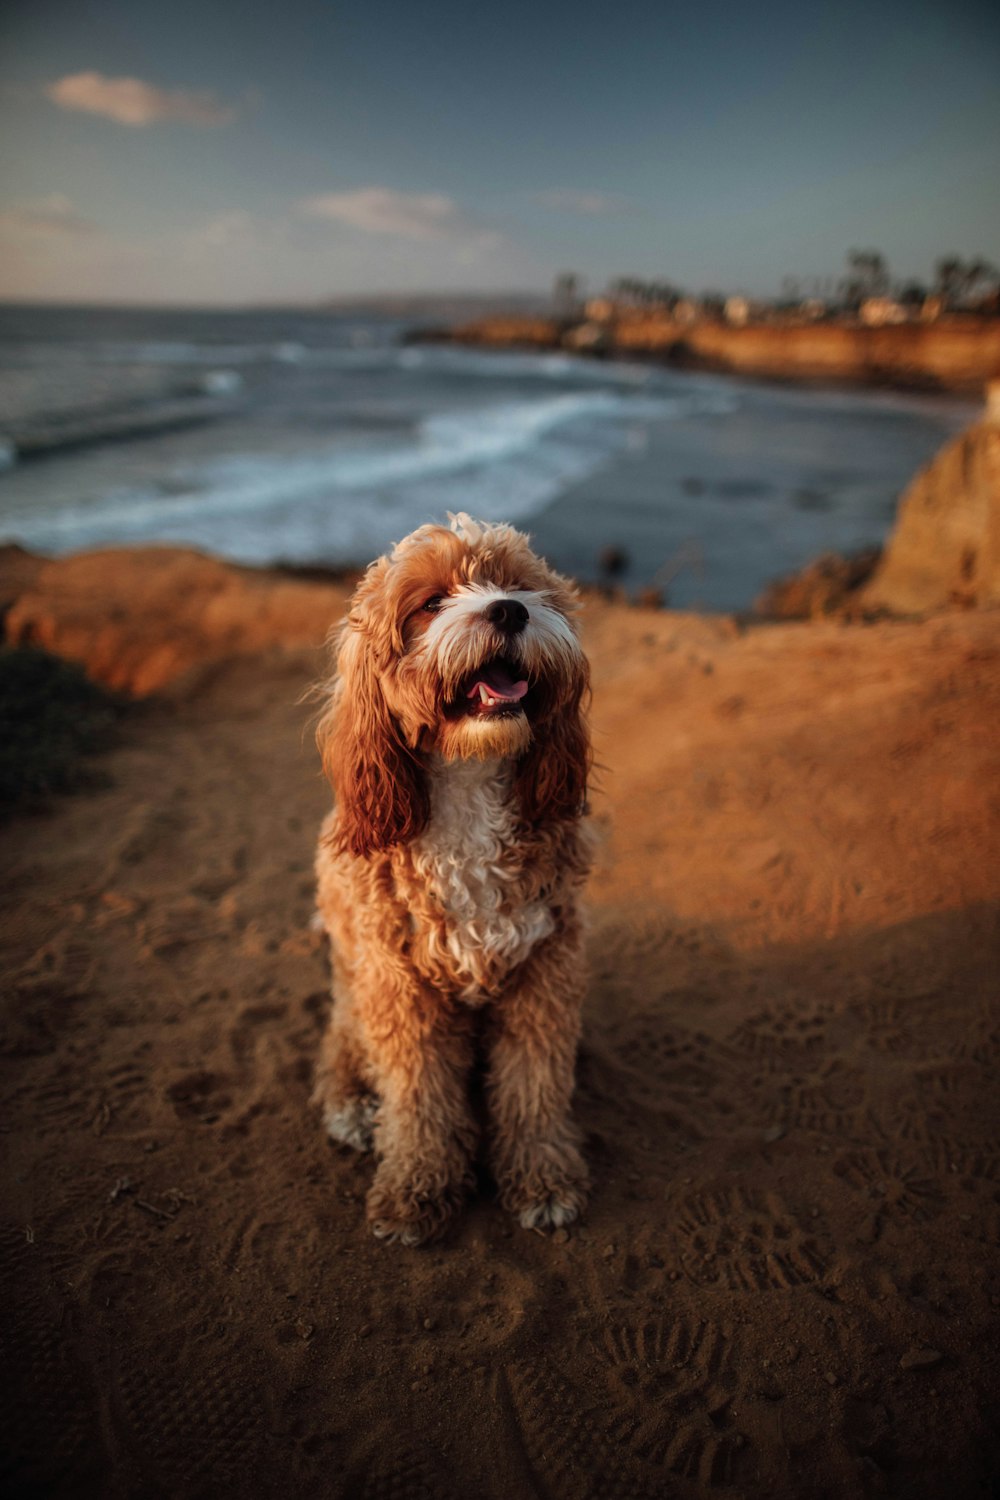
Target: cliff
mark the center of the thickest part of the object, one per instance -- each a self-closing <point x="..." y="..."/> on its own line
<point x="945" y="548"/>
<point x="951" y="354"/>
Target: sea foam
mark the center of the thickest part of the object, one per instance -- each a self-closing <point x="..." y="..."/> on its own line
<point x="345" y="501"/>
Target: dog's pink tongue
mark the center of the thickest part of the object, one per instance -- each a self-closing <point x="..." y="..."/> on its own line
<point x="499" y="684"/>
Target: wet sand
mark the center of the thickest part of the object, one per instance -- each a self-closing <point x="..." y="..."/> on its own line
<point x="787" y="1281"/>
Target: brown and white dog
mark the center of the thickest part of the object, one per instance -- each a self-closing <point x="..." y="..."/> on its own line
<point x="449" y="877"/>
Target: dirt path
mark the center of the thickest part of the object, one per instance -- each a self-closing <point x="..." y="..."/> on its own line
<point x="787" y="1282"/>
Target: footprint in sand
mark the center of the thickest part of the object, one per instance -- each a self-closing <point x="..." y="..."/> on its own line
<point x="671" y="1072"/>
<point x="943" y="1098"/>
<point x="891" y="1185"/>
<point x="199" y="1096"/>
<point x="40" y="997"/>
<point x="830" y="1103"/>
<point x="883" y="1025"/>
<point x="970" y="1168"/>
<point x="180" y="1420"/>
<point x="784" y="1034"/>
<point x="747" y="1241"/>
<point x="46" y="1435"/>
<point x="383" y="1468"/>
<point x="563" y="1440"/>
<point x="979" y="1039"/>
<point x="671" y="1383"/>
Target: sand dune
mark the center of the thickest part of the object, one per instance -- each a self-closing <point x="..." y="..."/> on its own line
<point x="787" y="1281"/>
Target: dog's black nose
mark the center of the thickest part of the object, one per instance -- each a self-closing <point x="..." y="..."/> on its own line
<point x="508" y="615"/>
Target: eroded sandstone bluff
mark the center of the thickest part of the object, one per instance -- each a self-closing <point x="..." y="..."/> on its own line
<point x="945" y="545"/>
<point x="943" y="551"/>
<point x="959" y="354"/>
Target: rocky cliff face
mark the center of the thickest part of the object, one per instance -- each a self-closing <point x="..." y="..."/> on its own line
<point x="945" y="549"/>
<point x="951" y="354"/>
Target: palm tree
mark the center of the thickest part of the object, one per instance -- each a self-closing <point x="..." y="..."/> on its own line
<point x="976" y="271"/>
<point x="868" y="276"/>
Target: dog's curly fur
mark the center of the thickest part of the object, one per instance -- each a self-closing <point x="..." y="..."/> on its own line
<point x="449" y="875"/>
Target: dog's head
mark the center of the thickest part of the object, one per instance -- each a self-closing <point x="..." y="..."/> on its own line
<point x="462" y="642"/>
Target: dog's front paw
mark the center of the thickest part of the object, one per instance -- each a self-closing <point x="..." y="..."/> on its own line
<point x="548" y="1191"/>
<point x="399" y="1212"/>
<point x="553" y="1210"/>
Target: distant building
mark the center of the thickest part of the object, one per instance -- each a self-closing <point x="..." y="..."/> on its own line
<point x="599" y="310"/>
<point x="686" y="311"/>
<point x="812" y="309"/>
<point x="590" y="336"/>
<point x="737" y="311"/>
<point x="876" y="312"/>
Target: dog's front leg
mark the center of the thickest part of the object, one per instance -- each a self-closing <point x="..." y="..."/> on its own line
<point x="534" y="1142"/>
<point x="420" y="1053"/>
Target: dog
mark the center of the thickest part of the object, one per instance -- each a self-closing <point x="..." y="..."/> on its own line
<point x="449" y="876"/>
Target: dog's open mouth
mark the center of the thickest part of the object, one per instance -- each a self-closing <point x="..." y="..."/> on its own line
<point x="496" y="687"/>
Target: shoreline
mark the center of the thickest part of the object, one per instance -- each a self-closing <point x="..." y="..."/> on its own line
<point x="953" y="356"/>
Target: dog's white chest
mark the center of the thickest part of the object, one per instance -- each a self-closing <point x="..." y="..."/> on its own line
<point x="464" y="857"/>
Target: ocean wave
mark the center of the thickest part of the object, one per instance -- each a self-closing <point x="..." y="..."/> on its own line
<point x="221" y="383"/>
<point x="345" y="502"/>
<point x="124" y="422"/>
<point x="502" y="364"/>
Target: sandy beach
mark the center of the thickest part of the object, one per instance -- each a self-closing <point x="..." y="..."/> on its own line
<point x="786" y="1283"/>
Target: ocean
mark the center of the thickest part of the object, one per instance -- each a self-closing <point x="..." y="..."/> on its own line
<point x="314" y="439"/>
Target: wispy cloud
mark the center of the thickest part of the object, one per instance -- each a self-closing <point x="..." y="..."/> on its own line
<point x="53" y="215"/>
<point x="573" y="201"/>
<point x="235" y="255"/>
<point x="408" y="216"/>
<point x="131" y="101"/>
<point x="225" y="229"/>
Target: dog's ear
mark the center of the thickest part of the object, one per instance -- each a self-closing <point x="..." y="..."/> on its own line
<point x="554" y="770"/>
<point x="378" y="781"/>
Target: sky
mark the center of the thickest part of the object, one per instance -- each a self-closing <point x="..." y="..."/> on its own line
<point x="217" y="152"/>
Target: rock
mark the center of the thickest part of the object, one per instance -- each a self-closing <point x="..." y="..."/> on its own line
<point x="137" y="618"/>
<point x="920" y="1359"/>
<point x="945" y="548"/>
<point x="828" y="586"/>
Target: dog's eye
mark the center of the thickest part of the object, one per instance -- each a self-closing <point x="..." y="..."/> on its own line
<point x="433" y="604"/>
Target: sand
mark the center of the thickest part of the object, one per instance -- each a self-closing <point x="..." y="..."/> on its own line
<point x="786" y="1283"/>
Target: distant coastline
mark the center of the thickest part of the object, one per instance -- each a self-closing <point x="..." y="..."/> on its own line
<point x="954" y="354"/>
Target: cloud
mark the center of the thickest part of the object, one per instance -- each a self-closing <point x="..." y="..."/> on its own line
<point x="52" y="216"/>
<point x="233" y="255"/>
<point x="225" y="229"/>
<point x="130" y="101"/>
<point x="570" y="200"/>
<point x="408" y="216"/>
